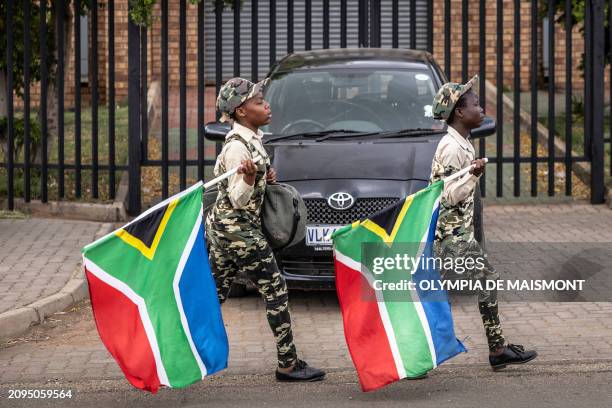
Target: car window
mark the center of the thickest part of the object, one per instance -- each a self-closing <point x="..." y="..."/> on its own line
<point x="352" y="99"/>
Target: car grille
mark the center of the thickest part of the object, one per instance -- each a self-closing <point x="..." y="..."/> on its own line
<point x="309" y="267"/>
<point x="321" y="213"/>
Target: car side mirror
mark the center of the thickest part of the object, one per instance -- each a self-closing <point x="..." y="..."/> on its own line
<point x="488" y="127"/>
<point x="216" y="131"/>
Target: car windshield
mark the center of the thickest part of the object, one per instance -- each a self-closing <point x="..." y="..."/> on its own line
<point x="351" y="100"/>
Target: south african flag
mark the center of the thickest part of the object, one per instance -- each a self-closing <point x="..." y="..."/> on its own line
<point x="393" y="332"/>
<point x="153" y="296"/>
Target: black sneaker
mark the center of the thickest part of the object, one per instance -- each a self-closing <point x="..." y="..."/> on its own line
<point x="301" y="372"/>
<point x="512" y="354"/>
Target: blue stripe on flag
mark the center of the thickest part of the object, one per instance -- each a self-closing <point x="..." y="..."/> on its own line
<point x="201" y="307"/>
<point x="436" y="305"/>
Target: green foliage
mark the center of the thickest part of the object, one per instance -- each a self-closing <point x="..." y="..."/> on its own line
<point x="141" y="11"/>
<point x="19" y="132"/>
<point x="578" y="15"/>
<point x="577" y="107"/>
<point x="19" y="45"/>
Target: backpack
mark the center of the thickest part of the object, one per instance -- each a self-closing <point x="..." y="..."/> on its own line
<point x="283" y="214"/>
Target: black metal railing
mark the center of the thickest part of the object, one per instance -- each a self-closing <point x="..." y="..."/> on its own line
<point x="270" y="38"/>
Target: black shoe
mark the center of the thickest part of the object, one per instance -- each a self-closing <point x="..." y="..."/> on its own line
<point x="301" y="372"/>
<point x="512" y="354"/>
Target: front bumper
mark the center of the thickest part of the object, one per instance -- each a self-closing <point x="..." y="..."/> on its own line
<point x="305" y="268"/>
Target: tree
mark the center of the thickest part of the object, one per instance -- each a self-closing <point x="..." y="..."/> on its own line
<point x="141" y="12"/>
<point x="17" y="25"/>
<point x="51" y="21"/>
<point x="578" y="15"/>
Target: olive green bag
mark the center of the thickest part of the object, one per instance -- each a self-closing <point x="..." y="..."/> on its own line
<point x="283" y="215"/>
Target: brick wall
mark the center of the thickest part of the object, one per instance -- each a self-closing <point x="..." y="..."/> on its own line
<point x="121" y="62"/>
<point x="154" y="45"/>
<point x="507" y="57"/>
<point x="154" y="48"/>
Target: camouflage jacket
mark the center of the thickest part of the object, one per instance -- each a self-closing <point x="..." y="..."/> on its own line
<point x="224" y="216"/>
<point x="456" y="217"/>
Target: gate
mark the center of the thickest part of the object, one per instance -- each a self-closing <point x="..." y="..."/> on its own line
<point x="180" y="60"/>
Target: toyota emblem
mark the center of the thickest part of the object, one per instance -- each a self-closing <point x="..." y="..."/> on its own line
<point x="340" y="201"/>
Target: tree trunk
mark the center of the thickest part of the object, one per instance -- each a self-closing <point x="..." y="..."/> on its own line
<point x="52" y="105"/>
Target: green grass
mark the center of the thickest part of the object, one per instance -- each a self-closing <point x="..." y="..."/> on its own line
<point x="12" y="215"/>
<point x="121" y="144"/>
<point x="577" y="130"/>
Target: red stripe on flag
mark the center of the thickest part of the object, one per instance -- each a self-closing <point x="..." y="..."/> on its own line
<point x="364" y="330"/>
<point x="122" y="332"/>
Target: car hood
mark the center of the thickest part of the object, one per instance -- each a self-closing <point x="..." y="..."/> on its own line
<point x="380" y="160"/>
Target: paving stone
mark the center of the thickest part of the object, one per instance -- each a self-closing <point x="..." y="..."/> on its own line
<point x="30" y="242"/>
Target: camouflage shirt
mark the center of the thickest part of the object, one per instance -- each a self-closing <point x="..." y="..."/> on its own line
<point x="238" y="204"/>
<point x="456" y="217"/>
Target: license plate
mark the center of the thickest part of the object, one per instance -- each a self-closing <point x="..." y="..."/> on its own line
<point x="319" y="235"/>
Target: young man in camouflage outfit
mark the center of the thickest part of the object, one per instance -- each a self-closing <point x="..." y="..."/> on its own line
<point x="233" y="226"/>
<point x="459" y="106"/>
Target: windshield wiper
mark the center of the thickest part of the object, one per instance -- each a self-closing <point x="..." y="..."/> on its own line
<point x="410" y="132"/>
<point x="313" y="134"/>
<point x="387" y="134"/>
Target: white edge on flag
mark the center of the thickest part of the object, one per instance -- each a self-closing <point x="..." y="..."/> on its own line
<point x="415" y="295"/>
<point x="177" y="292"/>
<point x="142" y="309"/>
<point x="382" y="308"/>
<point x="351" y="263"/>
<point x="147" y="212"/>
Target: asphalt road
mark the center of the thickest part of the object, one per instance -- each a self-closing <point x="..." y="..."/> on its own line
<point x="537" y="385"/>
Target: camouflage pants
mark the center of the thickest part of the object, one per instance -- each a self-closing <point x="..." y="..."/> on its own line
<point x="253" y="256"/>
<point x="455" y="247"/>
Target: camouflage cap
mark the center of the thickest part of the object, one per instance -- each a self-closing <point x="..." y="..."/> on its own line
<point x="234" y="93"/>
<point x="445" y="100"/>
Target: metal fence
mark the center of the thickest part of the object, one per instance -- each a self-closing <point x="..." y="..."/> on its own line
<point x="60" y="167"/>
<point x="369" y="33"/>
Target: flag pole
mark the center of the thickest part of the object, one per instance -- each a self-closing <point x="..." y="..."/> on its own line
<point x="461" y="172"/>
<point x="228" y="174"/>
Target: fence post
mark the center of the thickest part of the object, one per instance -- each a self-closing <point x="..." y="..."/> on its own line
<point x="10" y="119"/>
<point x="597" y="99"/>
<point x="363" y="24"/>
<point x="134" y="124"/>
<point x="374" y="23"/>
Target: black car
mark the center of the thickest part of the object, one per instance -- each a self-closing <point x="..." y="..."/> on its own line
<point x="353" y="132"/>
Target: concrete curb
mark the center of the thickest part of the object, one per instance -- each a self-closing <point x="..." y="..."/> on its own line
<point x="72" y="210"/>
<point x="17" y="321"/>
<point x="112" y="212"/>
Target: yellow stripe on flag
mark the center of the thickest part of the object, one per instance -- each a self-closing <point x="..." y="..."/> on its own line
<point x="149" y="252"/>
<point x="380" y="231"/>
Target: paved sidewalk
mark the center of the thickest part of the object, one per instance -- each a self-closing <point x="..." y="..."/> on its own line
<point x="559" y="331"/>
<point x="38" y="257"/>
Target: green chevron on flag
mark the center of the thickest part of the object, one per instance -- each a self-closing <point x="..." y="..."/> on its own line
<point x="154" y="298"/>
<point x="393" y="332"/>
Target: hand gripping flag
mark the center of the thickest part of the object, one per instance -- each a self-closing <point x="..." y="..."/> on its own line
<point x="393" y="332"/>
<point x="153" y="296"/>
